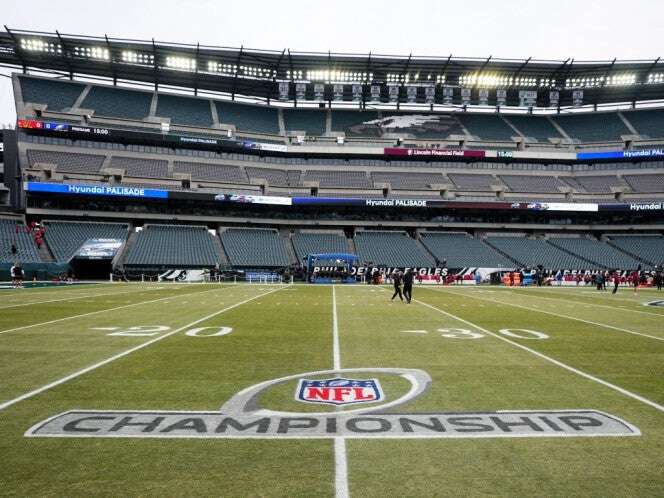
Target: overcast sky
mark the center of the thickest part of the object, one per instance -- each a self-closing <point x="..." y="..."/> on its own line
<point x="583" y="29"/>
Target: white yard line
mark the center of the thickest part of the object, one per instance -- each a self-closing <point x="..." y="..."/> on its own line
<point x="100" y="311"/>
<point x="340" y="459"/>
<point x="569" y="368"/>
<point x="560" y="315"/>
<point x="87" y="296"/>
<point x="614" y="308"/>
<point x="90" y="368"/>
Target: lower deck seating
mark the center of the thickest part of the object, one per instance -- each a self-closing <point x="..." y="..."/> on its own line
<point x="65" y="238"/>
<point x="254" y="248"/>
<point x="26" y="250"/>
<point x="460" y="250"/>
<point x="534" y="252"/>
<point x="647" y="248"/>
<point x="391" y="249"/>
<point x="307" y="243"/>
<point x="604" y="255"/>
<point x="66" y="161"/>
<point x="173" y="246"/>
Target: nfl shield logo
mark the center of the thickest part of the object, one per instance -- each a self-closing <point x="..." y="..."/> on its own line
<point x="339" y="391"/>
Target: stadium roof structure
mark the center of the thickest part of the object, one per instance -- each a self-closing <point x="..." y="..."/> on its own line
<point x="325" y="77"/>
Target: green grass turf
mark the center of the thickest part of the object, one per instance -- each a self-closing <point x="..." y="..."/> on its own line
<point x="290" y="331"/>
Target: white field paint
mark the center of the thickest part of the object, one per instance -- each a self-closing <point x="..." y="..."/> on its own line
<point x="559" y="315"/>
<point x="560" y="364"/>
<point x="74" y="298"/>
<point x="71" y="317"/>
<point x="613" y="308"/>
<point x="117" y="356"/>
<point x="340" y="459"/>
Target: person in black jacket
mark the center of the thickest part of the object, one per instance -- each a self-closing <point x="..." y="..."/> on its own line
<point x="396" y="279"/>
<point x="408" y="285"/>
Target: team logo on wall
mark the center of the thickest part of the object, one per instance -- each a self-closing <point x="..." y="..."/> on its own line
<point x="339" y="391"/>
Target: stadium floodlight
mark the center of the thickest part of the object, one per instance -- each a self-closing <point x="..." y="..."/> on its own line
<point x="131" y="57"/>
<point x="181" y="63"/>
<point x="295" y="75"/>
<point x="624" y="79"/>
<point x="655" y="79"/>
<point x="37" y="45"/>
<point x="99" y="53"/>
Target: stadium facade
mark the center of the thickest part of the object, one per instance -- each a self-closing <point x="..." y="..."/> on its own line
<point x="151" y="156"/>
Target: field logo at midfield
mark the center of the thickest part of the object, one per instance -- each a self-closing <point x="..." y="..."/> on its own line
<point x="372" y="415"/>
<point x="339" y="391"/>
<point x="659" y="304"/>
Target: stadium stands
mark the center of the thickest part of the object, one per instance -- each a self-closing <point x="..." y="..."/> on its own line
<point x="57" y="95"/>
<point x="173" y="246"/>
<point x="408" y="180"/>
<point x="140" y="167"/>
<point x="487" y="126"/>
<point x="603" y="255"/>
<point x="66" y="161"/>
<point x="185" y="111"/>
<point x="600" y="184"/>
<point x="539" y="128"/>
<point x="254" y="248"/>
<point x="390" y="249"/>
<point x="352" y="122"/>
<point x="647" y="122"/>
<point x="349" y="179"/>
<point x="593" y="127"/>
<point x="307" y="243"/>
<point x="65" y="238"/>
<point x="462" y="251"/>
<point x="248" y="117"/>
<point x="647" y="248"/>
<point x="118" y="102"/>
<point x="211" y="172"/>
<point x="274" y="177"/>
<point x="472" y="182"/>
<point x="533" y="252"/>
<point x="308" y="120"/>
<point x="645" y="183"/>
<point x="26" y="250"/>
<point x="540" y="183"/>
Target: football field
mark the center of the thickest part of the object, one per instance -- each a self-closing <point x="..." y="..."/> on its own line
<point x="320" y="390"/>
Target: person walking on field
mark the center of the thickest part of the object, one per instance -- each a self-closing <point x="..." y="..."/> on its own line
<point x="396" y="279"/>
<point x="408" y="285"/>
<point x="616" y="281"/>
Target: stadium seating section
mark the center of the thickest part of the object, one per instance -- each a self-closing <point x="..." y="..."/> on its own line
<point x="66" y="161"/>
<point x="533" y="252"/>
<point x="488" y="127"/>
<point x="601" y="254"/>
<point x="118" y="103"/>
<point x="649" y="249"/>
<point x="145" y="168"/>
<point x="605" y="127"/>
<point x="125" y="103"/>
<point x="307" y="243"/>
<point x="539" y="128"/>
<point x="645" y="183"/>
<point x="462" y="251"/>
<point x="173" y="246"/>
<point x="310" y="121"/>
<point x="57" y="95"/>
<point x="648" y="123"/>
<point x="65" y="238"/>
<point x="211" y="172"/>
<point x="185" y="111"/>
<point x="254" y="248"/>
<point x="391" y="249"/>
<point x="26" y="250"/>
<point x="248" y="117"/>
<point x="540" y="184"/>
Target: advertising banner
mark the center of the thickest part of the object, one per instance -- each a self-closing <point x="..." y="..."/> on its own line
<point x="105" y="190"/>
<point x="395" y="151"/>
<point x="99" y="249"/>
